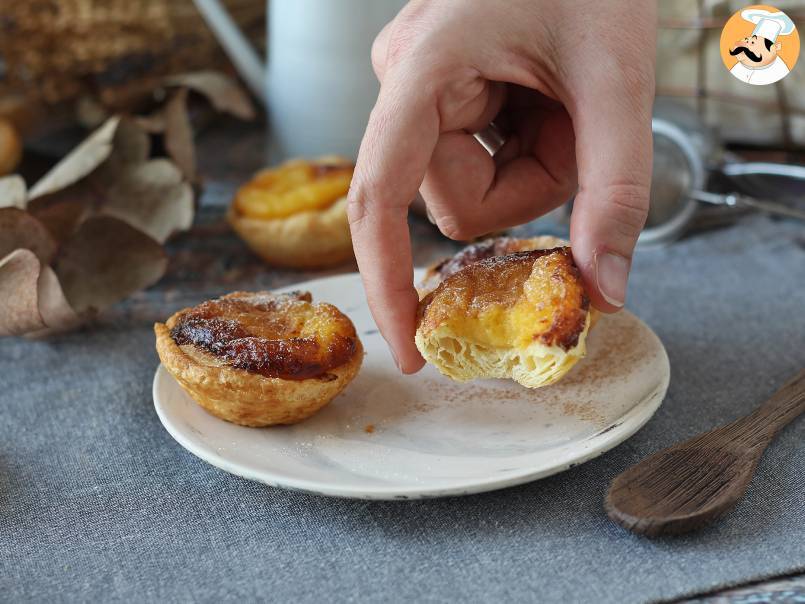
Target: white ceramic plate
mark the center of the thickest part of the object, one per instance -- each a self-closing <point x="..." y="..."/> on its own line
<point x="390" y="436"/>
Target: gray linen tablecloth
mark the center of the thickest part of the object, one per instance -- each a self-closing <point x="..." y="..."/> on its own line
<point x="100" y="504"/>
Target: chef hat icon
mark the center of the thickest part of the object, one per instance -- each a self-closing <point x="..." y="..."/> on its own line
<point x="768" y="25"/>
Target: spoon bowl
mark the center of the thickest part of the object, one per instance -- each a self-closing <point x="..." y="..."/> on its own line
<point x="678" y="490"/>
<point x="687" y="486"/>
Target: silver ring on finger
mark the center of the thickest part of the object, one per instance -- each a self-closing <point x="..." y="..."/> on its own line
<point x="491" y="138"/>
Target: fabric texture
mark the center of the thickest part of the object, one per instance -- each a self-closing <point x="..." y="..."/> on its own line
<point x="100" y="504"/>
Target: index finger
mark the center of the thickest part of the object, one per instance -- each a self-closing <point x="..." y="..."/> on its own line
<point x="396" y="149"/>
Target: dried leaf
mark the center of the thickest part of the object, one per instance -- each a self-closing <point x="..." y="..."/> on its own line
<point x="93" y="212"/>
<point x="61" y="214"/>
<point x="56" y="312"/>
<point x="89" y="112"/>
<point x="222" y="92"/>
<point x="79" y="162"/>
<point x="130" y="145"/>
<point x="105" y="261"/>
<point x="12" y="192"/>
<point x="19" y="275"/>
<point x="153" y="123"/>
<point x="153" y="198"/>
<point x="20" y="230"/>
<point x="32" y="298"/>
<point x="179" y="134"/>
<point x="61" y="211"/>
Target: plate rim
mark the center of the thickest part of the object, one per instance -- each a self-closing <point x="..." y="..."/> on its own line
<point x="626" y="426"/>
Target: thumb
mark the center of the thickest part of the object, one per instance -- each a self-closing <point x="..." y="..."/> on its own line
<point x="614" y="155"/>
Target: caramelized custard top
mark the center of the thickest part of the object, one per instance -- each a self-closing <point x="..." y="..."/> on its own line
<point x="475" y="252"/>
<point x="275" y="335"/>
<point x="500" y="246"/>
<point x="512" y="300"/>
<point x="295" y="186"/>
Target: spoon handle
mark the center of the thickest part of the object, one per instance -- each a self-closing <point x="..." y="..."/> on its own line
<point x="734" y="199"/>
<point x="783" y="407"/>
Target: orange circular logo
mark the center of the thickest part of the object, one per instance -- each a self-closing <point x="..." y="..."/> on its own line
<point x="759" y="45"/>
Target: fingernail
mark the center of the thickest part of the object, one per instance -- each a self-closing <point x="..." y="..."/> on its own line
<point x="611" y="274"/>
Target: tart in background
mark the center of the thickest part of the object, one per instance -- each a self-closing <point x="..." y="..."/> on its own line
<point x="295" y="214"/>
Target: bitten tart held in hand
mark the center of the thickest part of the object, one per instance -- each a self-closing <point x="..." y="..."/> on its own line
<point x="259" y="359"/>
<point x="296" y="214"/>
<point x="523" y="316"/>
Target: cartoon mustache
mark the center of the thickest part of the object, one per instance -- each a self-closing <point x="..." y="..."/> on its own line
<point x="743" y="49"/>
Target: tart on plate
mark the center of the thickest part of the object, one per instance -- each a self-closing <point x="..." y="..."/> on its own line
<point x="491" y="312"/>
<point x="295" y="215"/>
<point x="259" y="359"/>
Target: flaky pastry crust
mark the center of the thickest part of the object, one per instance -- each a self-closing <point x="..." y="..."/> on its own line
<point x="259" y="359"/>
<point x="312" y="239"/>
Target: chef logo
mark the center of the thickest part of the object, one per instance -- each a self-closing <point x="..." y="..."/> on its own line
<point x="759" y="45"/>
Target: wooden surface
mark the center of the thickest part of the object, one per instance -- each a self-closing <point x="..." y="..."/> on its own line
<point x="210" y="260"/>
<point x="688" y="486"/>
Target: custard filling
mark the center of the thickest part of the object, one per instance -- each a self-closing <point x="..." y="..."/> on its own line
<point x="294" y="187"/>
<point x="515" y="307"/>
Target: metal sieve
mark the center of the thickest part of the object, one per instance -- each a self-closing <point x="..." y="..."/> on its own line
<point x="679" y="179"/>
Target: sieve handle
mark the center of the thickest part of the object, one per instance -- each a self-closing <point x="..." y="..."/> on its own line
<point x="762" y="168"/>
<point x="744" y="201"/>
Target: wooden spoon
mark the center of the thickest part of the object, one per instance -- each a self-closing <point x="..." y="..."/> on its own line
<point x="687" y="486"/>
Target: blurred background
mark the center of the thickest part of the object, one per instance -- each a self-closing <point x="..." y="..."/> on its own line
<point x="69" y="62"/>
<point x="218" y="89"/>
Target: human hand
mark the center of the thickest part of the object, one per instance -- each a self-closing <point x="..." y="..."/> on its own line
<point x="571" y="82"/>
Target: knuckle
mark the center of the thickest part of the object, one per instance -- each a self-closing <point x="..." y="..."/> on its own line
<point x="629" y="207"/>
<point x="357" y="205"/>
<point x="378" y="54"/>
<point x="356" y="211"/>
<point x="454" y="228"/>
<point x="400" y="42"/>
<point x="368" y="202"/>
<point x="631" y="82"/>
<point x="638" y="78"/>
<point x="413" y="31"/>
